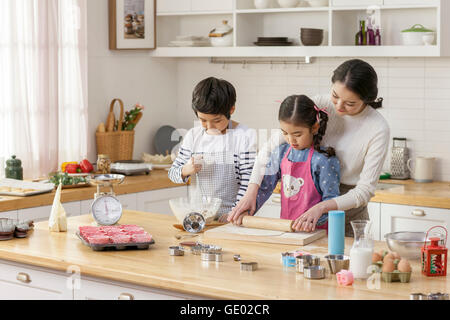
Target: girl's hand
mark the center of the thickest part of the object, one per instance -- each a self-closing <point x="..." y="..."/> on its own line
<point x="307" y="221"/>
<point x="190" y="168"/>
<point x="245" y="206"/>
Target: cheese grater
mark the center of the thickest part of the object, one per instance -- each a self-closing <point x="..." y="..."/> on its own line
<point x="399" y="159"/>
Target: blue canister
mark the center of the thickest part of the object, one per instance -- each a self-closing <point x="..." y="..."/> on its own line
<point x="336" y="232"/>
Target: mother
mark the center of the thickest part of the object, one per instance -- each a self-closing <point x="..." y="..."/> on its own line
<point x="360" y="136"/>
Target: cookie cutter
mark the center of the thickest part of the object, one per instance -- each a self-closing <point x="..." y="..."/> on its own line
<point x="437" y="296"/>
<point x="176" y="251"/>
<point x="306" y="261"/>
<point x="237" y="257"/>
<point x="211" y="248"/>
<point x="314" y="272"/>
<point x="194" y="222"/>
<point x="249" y="266"/>
<point x="288" y="259"/>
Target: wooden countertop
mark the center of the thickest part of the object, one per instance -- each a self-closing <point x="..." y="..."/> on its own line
<point x="409" y="192"/>
<point x="157" y="179"/>
<point x="188" y="274"/>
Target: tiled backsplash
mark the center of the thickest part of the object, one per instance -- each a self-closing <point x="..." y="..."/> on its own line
<point x="416" y="94"/>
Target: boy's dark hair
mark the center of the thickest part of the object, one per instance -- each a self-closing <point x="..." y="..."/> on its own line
<point x="300" y="111"/>
<point x="361" y="78"/>
<point x="214" y="96"/>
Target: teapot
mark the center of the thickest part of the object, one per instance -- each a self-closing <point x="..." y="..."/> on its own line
<point x="222" y="36"/>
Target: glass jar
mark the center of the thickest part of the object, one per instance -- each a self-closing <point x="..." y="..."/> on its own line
<point x="14" y="169"/>
<point x="103" y="164"/>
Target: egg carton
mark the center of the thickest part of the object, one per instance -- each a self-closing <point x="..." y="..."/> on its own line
<point x="396" y="276"/>
<point x="117" y="246"/>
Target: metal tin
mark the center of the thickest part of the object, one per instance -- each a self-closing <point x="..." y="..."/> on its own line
<point x="176" y="251"/>
<point x="211" y="248"/>
<point x="418" y="296"/>
<point x="237" y="257"/>
<point x="337" y="262"/>
<point x="197" y="250"/>
<point x="208" y="256"/>
<point x="306" y="261"/>
<point x="219" y="257"/>
<point x="249" y="266"/>
<point x="314" y="272"/>
<point x="194" y="222"/>
<point x="437" y="296"/>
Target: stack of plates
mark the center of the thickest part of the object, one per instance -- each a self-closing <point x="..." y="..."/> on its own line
<point x="273" y="41"/>
<point x="190" y="41"/>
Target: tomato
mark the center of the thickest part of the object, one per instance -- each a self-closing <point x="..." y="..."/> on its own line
<point x="72" y="168"/>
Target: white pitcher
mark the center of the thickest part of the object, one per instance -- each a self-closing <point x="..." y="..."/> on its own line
<point x="423" y="169"/>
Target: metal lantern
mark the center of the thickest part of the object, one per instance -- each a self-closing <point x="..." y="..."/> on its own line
<point x="434" y="256"/>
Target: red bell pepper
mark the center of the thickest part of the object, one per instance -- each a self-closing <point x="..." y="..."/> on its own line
<point x="86" y="166"/>
<point x="73" y="168"/>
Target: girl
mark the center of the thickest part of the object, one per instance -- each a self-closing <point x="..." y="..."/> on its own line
<point x="308" y="173"/>
<point x="360" y="136"/>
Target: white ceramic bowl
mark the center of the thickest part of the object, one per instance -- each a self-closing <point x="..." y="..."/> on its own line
<point x="208" y="207"/>
<point x="428" y="39"/>
<point x="414" y="38"/>
<point x="225" y="41"/>
<point x="318" y="3"/>
<point x="261" y="4"/>
<point x="287" y="3"/>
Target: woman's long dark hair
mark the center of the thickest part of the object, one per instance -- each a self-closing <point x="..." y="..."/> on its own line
<point x="300" y="111"/>
<point x="361" y="78"/>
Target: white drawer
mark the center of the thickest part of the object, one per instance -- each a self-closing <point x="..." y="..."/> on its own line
<point x="99" y="290"/>
<point x="411" y="218"/>
<point x="9" y="214"/>
<point x="36" y="214"/>
<point x="28" y="282"/>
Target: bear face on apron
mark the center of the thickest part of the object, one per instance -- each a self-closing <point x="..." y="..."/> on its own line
<point x="298" y="192"/>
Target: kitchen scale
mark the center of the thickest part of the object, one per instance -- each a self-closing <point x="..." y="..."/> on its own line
<point x="106" y="208"/>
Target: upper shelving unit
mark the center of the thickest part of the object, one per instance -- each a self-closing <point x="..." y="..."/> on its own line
<point x="339" y="20"/>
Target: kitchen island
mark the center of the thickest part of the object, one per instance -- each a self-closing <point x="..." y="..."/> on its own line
<point x="166" y="277"/>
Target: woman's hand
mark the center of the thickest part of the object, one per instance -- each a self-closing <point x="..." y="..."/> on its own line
<point x="190" y="168"/>
<point x="245" y="206"/>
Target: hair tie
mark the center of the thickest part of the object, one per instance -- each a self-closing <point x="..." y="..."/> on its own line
<point x="318" y="112"/>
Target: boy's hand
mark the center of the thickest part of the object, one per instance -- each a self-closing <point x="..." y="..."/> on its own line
<point x="190" y="168"/>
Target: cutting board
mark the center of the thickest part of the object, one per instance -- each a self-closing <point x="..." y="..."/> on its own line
<point x="232" y="232"/>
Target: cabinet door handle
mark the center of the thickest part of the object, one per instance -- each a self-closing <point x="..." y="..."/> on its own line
<point x="418" y="213"/>
<point x="23" y="277"/>
<point x="126" y="296"/>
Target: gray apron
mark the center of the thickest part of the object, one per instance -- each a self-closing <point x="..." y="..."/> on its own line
<point x="360" y="213"/>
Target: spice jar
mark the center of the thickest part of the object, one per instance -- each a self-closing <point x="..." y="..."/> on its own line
<point x="14" y="169"/>
<point x="103" y="163"/>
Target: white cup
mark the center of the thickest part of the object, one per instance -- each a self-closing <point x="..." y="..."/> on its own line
<point x="423" y="169"/>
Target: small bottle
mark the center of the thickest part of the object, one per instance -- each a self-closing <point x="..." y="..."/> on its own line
<point x="364" y="33"/>
<point x="336" y="232"/>
<point x="377" y="37"/>
<point x="370" y="34"/>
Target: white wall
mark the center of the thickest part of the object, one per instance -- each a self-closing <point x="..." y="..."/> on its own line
<point x="416" y="93"/>
<point x="131" y="76"/>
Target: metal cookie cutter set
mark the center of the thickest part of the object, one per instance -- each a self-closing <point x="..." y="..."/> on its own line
<point x="176" y="251"/>
<point x="306" y="261"/>
<point x="430" y="296"/>
<point x="249" y="266"/>
<point x="288" y="259"/>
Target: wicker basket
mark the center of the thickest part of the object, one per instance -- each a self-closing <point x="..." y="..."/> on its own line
<point x="118" y="145"/>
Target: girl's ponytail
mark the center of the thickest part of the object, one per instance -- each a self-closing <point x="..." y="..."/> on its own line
<point x="323" y="121"/>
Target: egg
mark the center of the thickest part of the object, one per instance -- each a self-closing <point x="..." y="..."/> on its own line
<point x="404" y="266"/>
<point x="376" y="257"/>
<point x="396" y="256"/>
<point x="388" y="266"/>
<point x="389" y="256"/>
<point x="382" y="253"/>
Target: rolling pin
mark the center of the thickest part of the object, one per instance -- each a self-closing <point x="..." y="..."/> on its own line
<point x="267" y="223"/>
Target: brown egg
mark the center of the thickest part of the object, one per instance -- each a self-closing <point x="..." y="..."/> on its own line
<point x="388" y="266"/>
<point x="389" y="256"/>
<point x="396" y="256"/>
<point x="404" y="266"/>
<point x="382" y="253"/>
<point x="376" y="257"/>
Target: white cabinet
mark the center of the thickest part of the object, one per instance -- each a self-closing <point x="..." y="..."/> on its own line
<point x="9" y="214"/>
<point x="163" y="6"/>
<point x="374" y="209"/>
<point x="72" y="208"/>
<point x="36" y="214"/>
<point x="19" y="282"/>
<point x="86" y="206"/>
<point x="103" y="290"/>
<point x="338" y="3"/>
<point x="157" y="201"/>
<point x="211" y="5"/>
<point x="411" y="218"/>
<point x="128" y="201"/>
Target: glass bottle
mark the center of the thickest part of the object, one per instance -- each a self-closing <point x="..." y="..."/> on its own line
<point x="362" y="249"/>
<point x="377" y="37"/>
<point x="103" y="164"/>
<point x="370" y="34"/>
<point x="364" y="33"/>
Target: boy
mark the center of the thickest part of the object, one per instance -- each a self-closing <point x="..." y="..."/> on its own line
<point x="220" y="152"/>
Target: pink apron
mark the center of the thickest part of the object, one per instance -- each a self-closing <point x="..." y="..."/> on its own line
<point x="298" y="192"/>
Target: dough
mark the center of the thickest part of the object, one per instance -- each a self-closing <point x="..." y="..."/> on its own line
<point x="250" y="231"/>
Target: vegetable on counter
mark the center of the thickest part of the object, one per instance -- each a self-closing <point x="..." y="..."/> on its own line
<point x="65" y="179"/>
<point x="73" y="168"/>
<point x="64" y="165"/>
<point x="86" y="166"/>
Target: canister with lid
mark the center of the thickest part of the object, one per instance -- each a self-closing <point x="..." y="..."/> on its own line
<point x="14" y="169"/>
